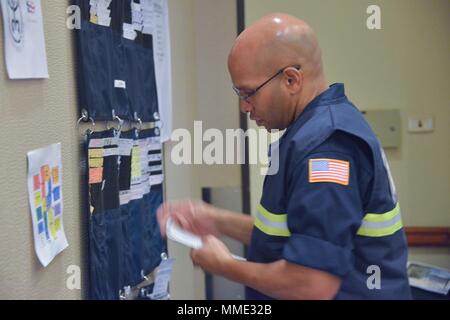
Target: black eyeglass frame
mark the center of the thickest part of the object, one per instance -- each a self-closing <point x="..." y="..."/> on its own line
<point x="250" y="93"/>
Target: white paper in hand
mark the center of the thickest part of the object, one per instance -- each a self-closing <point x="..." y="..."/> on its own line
<point x="175" y="233"/>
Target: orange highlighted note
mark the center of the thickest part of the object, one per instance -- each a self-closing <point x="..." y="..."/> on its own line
<point x="95" y="175"/>
<point x="45" y="173"/>
<point x="55" y="175"/>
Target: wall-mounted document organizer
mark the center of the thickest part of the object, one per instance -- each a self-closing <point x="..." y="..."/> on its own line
<point x="116" y="70"/>
<point x="124" y="169"/>
<point x="125" y="176"/>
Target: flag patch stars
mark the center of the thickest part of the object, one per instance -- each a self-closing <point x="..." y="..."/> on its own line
<point x="329" y="170"/>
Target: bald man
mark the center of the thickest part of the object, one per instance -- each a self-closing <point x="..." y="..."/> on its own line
<point x="328" y="225"/>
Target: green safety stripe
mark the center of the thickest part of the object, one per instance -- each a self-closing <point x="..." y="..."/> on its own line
<point x="382" y="224"/>
<point x="271" y="224"/>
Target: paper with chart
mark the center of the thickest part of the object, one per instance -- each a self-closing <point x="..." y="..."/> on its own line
<point x="46" y="202"/>
<point x="25" y="54"/>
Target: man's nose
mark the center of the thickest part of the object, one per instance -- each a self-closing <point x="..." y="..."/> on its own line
<point x="245" y="106"/>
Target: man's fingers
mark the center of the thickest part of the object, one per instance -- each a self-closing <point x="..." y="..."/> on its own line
<point x="162" y="216"/>
<point x="193" y="255"/>
<point x="181" y="212"/>
<point x="208" y="238"/>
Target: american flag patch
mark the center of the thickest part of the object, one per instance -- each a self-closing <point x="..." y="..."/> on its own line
<point x="329" y="170"/>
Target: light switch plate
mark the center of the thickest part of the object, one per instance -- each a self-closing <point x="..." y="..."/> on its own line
<point x="420" y="124"/>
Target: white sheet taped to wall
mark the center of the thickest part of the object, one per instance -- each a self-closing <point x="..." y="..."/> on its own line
<point x="156" y="22"/>
<point x="25" y="54"/>
<point x="46" y="202"/>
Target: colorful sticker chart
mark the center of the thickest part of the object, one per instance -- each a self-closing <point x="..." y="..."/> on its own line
<point x="46" y="202"/>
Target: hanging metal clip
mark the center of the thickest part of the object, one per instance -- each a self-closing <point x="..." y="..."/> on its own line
<point x="85" y="118"/>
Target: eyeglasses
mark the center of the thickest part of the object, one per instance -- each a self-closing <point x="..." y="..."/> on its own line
<point x="245" y="94"/>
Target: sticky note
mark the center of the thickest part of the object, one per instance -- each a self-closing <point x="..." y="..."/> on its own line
<point x="43" y="189"/>
<point x="96" y="153"/>
<point x="49" y="186"/>
<point x="95" y="175"/>
<point x="56" y="193"/>
<point x="36" y="182"/>
<point x="55" y="175"/>
<point x="45" y="173"/>
<point x="48" y="201"/>
<point x="96" y="163"/>
<point x="47" y="235"/>
<point x="57" y="209"/>
<point x="41" y="228"/>
<point x="135" y="169"/>
<point x="57" y="224"/>
<point x="51" y="224"/>
<point x="136" y="152"/>
<point x="39" y="213"/>
<point x="136" y="162"/>
<point x="94" y="19"/>
<point x="37" y="199"/>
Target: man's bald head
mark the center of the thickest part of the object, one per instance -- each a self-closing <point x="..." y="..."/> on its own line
<point x="275" y="41"/>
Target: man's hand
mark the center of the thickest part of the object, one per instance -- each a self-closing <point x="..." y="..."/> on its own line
<point x="213" y="256"/>
<point x="193" y="216"/>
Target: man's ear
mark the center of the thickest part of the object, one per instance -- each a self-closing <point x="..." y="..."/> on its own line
<point x="294" y="80"/>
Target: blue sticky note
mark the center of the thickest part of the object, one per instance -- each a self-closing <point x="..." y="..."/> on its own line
<point x="41" y="227"/>
<point x="39" y="213"/>
<point x="57" y="209"/>
<point x="56" y="193"/>
<point x="49" y="200"/>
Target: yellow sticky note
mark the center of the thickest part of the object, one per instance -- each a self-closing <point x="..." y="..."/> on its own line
<point x="136" y="152"/>
<point x="51" y="223"/>
<point x="135" y="171"/>
<point x="96" y="163"/>
<point x="37" y="199"/>
<point x="94" y="19"/>
<point x="136" y="162"/>
<point x="96" y="153"/>
<point x="57" y="224"/>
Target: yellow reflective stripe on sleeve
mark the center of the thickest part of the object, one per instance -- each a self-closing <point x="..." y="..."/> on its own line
<point x="271" y="224"/>
<point x="374" y="217"/>
<point x="271" y="216"/>
<point x="380" y="232"/>
<point x="380" y="225"/>
<point x="270" y="230"/>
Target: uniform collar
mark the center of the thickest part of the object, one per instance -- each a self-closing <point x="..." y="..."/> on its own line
<point x="334" y="92"/>
<point x="332" y="95"/>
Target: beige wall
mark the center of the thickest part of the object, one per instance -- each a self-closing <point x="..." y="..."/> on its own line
<point x="202" y="33"/>
<point x="36" y="113"/>
<point x="404" y="66"/>
<point x="216" y="29"/>
<point x="181" y="181"/>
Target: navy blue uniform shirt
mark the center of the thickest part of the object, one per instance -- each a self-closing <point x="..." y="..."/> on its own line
<point x="332" y="205"/>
